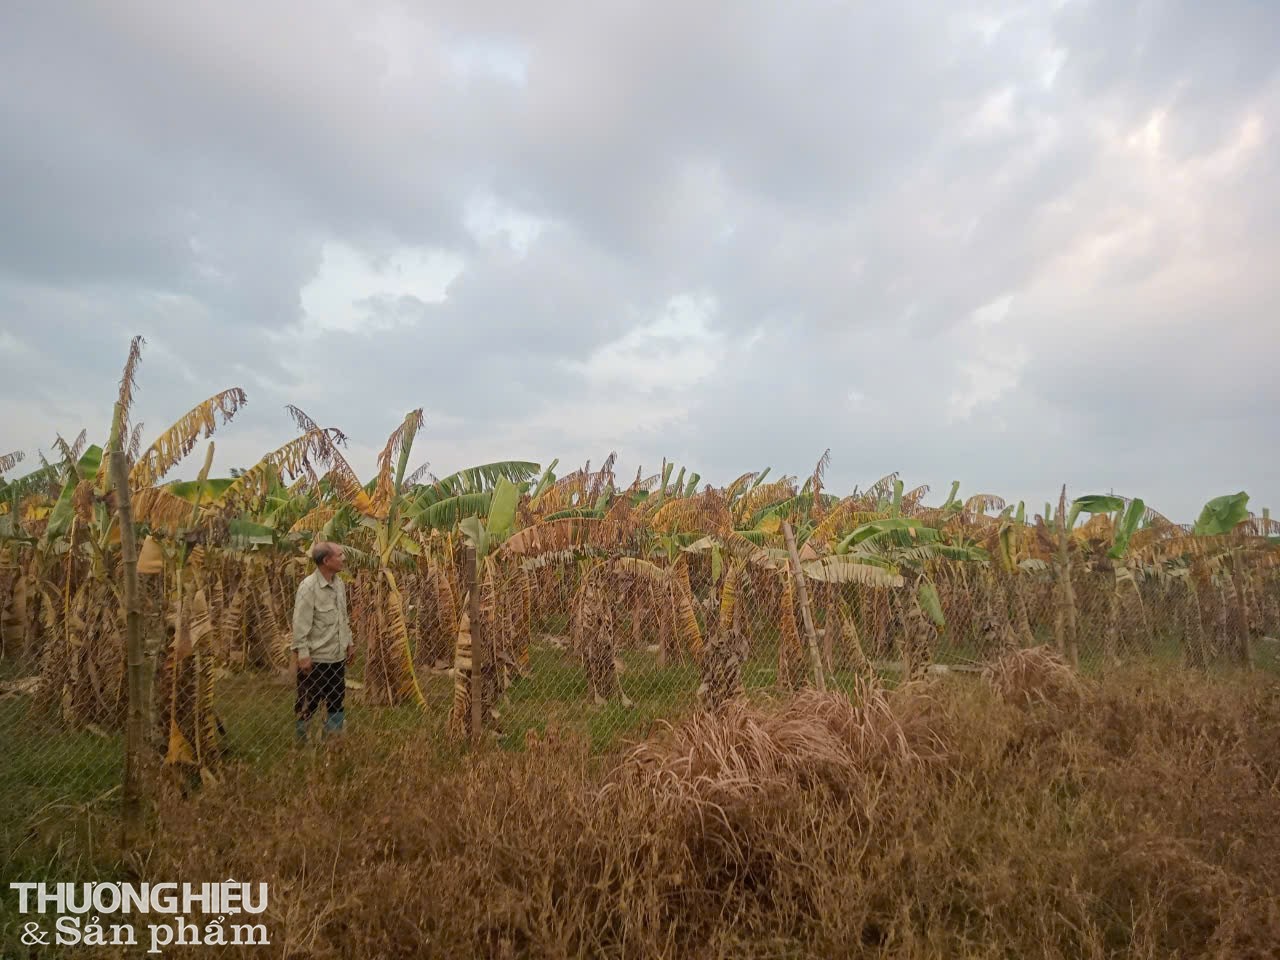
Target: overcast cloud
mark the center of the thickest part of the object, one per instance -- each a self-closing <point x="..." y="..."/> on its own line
<point x="1011" y="244"/>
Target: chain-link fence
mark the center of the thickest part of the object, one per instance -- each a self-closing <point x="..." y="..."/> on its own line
<point x="604" y="636"/>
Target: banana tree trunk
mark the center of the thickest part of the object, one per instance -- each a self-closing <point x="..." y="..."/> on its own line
<point x="1270" y="605"/>
<point x="1137" y="626"/>
<point x="664" y="605"/>
<point x="1193" y="628"/>
<point x="917" y="641"/>
<point x="726" y="649"/>
<point x="1243" y="639"/>
<point x="1111" y="634"/>
<point x="790" y="651"/>
<point x="966" y="589"/>
<point x="390" y="679"/>
<point x="825" y="596"/>
<point x="637" y="608"/>
<point x="1221" y="617"/>
<point x="597" y="633"/>
<point x="13" y="613"/>
<point x="852" y="644"/>
<point x="1026" y="635"/>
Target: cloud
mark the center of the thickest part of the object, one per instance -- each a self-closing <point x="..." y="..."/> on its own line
<point x="1015" y="244"/>
<point x="341" y="296"/>
<point x="991" y="366"/>
<point x="670" y="353"/>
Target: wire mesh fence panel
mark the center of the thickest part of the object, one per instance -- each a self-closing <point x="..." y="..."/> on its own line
<point x="49" y="761"/>
<point x="606" y="626"/>
<point x="62" y="695"/>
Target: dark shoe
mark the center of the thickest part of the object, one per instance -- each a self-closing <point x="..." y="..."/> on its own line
<point x="333" y="723"/>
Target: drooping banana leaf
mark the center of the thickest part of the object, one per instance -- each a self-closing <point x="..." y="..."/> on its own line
<point x="214" y="488"/>
<point x="1006" y="546"/>
<point x="1126" y="528"/>
<point x="912" y="531"/>
<point x="502" y="507"/>
<point x="1093" y="503"/>
<point x="248" y="532"/>
<point x="952" y="503"/>
<point x="930" y="603"/>
<point x="1221" y="514"/>
<point x="443" y="514"/>
<point x="573" y="513"/>
<point x="60" y="516"/>
<point x="483" y="477"/>
<point x="474" y="530"/>
<point x="545" y="481"/>
<point x="850" y="569"/>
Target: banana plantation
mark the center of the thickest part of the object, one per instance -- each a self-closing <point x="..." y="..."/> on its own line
<point x="509" y="569"/>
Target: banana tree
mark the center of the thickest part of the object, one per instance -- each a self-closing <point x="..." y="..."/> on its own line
<point x="184" y="682"/>
<point x="31" y="564"/>
<point x="483" y="535"/>
<point x="389" y="673"/>
<point x="1225" y="524"/>
<point x="911" y="548"/>
<point x="84" y="664"/>
<point x="373" y="515"/>
<point x="13" y="578"/>
<point x="593" y="625"/>
<point x="1121" y="519"/>
<point x="1014" y="545"/>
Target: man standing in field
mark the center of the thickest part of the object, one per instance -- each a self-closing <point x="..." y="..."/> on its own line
<point x="322" y="641"/>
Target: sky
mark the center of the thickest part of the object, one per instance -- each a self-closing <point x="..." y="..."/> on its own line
<point x="1018" y="245"/>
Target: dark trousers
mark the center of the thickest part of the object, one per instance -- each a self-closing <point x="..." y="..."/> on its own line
<point x="325" y="681"/>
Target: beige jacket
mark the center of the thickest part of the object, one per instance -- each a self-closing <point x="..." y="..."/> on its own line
<point x="321" y="630"/>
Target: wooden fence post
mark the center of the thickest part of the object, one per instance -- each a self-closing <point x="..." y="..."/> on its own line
<point x="819" y="679"/>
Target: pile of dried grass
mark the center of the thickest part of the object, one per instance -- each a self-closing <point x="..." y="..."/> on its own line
<point x="1034" y="675"/>
<point x="743" y="751"/>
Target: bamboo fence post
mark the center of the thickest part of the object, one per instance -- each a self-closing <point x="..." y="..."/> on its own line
<point x="131" y="797"/>
<point x="472" y="567"/>
<point x="1065" y="621"/>
<point x="814" y="655"/>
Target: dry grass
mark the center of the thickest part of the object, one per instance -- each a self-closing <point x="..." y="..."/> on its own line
<point x="746" y="752"/>
<point x="1035" y="675"/>
<point x="1027" y="816"/>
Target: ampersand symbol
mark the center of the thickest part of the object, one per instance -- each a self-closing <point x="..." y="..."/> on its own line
<point x="32" y="935"/>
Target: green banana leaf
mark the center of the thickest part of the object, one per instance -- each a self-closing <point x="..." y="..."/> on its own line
<point x="930" y="603"/>
<point x="1093" y="503"/>
<point x="214" y="487"/>
<point x="1221" y="514"/>
<point x="60" y="515"/>
<point x="1126" y="529"/>
<point x="916" y="531"/>
<point x="445" y="513"/>
<point x="502" y="507"/>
